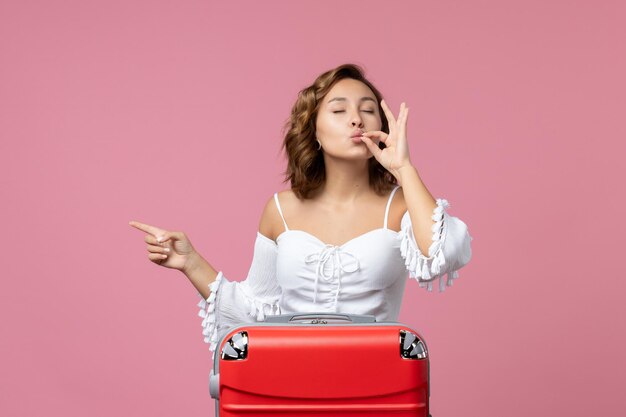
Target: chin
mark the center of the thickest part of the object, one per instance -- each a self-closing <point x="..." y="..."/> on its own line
<point x="353" y="156"/>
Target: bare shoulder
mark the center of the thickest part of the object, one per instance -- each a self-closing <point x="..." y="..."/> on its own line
<point x="397" y="210"/>
<point x="287" y="197"/>
<point x="271" y="224"/>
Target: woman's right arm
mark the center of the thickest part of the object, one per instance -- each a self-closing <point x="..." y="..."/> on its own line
<point x="233" y="303"/>
<point x="201" y="274"/>
<point x="224" y="303"/>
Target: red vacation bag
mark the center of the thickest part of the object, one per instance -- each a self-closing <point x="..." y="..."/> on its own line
<point x="320" y="364"/>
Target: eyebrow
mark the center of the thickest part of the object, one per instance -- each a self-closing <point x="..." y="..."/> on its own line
<point x="344" y="99"/>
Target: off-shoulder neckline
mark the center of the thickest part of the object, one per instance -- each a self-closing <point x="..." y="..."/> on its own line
<point x="275" y="243"/>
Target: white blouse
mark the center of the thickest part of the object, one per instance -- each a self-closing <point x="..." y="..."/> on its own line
<point x="366" y="275"/>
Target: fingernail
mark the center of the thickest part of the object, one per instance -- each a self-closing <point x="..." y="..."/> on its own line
<point x="166" y="249"/>
<point x="159" y="239"/>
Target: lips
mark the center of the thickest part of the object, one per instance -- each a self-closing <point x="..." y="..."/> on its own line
<point x="357" y="134"/>
<point x="356" y="138"/>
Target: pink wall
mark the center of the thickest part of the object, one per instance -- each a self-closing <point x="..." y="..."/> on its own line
<point x="169" y="112"/>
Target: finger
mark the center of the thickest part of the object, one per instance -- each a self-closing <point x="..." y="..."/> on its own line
<point x="374" y="149"/>
<point x="381" y="136"/>
<point x="151" y="240"/>
<point x="146" y="228"/>
<point x="403" y="122"/>
<point x="157" y="257"/>
<point x="155" y="240"/>
<point x="390" y="118"/>
<point x="158" y="249"/>
<point x="401" y="117"/>
<point x="170" y="236"/>
<point x="377" y="134"/>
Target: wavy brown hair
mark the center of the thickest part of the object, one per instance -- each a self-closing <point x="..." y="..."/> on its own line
<point x="305" y="163"/>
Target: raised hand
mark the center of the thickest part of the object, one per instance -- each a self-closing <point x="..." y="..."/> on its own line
<point x="165" y="248"/>
<point x="396" y="153"/>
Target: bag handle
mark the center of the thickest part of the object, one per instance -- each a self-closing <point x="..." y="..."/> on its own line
<point x="320" y="318"/>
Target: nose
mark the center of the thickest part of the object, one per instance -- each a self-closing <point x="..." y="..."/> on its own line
<point x="356" y="120"/>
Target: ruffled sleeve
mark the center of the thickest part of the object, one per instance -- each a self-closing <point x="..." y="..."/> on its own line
<point x="232" y="303"/>
<point x="449" y="252"/>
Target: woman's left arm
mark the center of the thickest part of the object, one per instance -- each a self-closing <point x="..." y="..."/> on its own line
<point x="395" y="158"/>
<point x="420" y="205"/>
<point x="436" y="235"/>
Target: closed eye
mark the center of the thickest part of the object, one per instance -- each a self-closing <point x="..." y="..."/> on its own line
<point x="366" y="111"/>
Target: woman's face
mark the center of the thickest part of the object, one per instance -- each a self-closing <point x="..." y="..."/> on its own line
<point x="349" y="108"/>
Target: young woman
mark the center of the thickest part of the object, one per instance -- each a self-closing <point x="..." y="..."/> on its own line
<point x="356" y="219"/>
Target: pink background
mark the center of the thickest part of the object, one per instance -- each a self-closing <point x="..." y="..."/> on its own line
<point x="169" y="112"/>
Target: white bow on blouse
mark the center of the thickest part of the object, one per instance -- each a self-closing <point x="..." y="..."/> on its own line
<point x="332" y="256"/>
